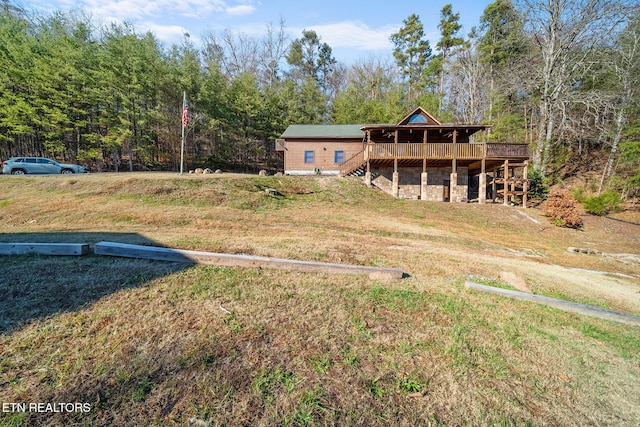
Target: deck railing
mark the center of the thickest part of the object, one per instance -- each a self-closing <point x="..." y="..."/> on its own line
<point x="444" y="151"/>
<point x="507" y="150"/>
<point x="428" y="151"/>
<point x="352" y="164"/>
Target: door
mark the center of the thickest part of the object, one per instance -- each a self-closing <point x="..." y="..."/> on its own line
<point x="31" y="165"/>
<point x="446" y="188"/>
<point x="47" y="166"/>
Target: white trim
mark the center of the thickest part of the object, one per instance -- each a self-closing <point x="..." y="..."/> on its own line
<point x="310" y="172"/>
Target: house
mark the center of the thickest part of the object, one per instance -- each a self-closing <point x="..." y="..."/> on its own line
<point x="418" y="158"/>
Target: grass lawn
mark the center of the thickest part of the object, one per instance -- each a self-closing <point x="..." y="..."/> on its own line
<point x="145" y="342"/>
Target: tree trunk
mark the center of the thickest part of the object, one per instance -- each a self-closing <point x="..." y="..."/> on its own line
<point x="608" y="170"/>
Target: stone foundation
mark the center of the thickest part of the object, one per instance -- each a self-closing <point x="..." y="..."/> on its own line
<point x="438" y="186"/>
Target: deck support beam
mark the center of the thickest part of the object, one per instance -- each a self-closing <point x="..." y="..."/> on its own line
<point x="367" y="175"/>
<point x="525" y="184"/>
<point x="424" y="179"/>
<point x="505" y="192"/>
<point x="453" y="180"/>
<point x="482" y="184"/>
<point x="395" y="152"/>
<point x="395" y="190"/>
<point x="424" y="151"/>
<point x="453" y="187"/>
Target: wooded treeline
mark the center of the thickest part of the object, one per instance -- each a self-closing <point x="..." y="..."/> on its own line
<point x="561" y="75"/>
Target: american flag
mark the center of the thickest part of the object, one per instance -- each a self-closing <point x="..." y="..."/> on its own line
<point x="185" y="113"/>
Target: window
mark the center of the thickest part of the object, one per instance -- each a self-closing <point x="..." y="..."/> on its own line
<point x="417" y="118"/>
<point x="308" y="156"/>
<point x="339" y="156"/>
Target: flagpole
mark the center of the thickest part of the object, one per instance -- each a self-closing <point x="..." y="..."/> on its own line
<point x="184" y="103"/>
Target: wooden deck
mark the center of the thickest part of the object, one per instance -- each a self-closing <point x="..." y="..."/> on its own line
<point x="446" y="151"/>
<point x="436" y="154"/>
<point x="507" y="151"/>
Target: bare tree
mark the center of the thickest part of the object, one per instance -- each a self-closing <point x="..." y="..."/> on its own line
<point x="626" y="70"/>
<point x="240" y="53"/>
<point x="274" y="47"/>
<point x="374" y="77"/>
<point x="566" y="32"/>
<point x="373" y="93"/>
<point x="468" y="93"/>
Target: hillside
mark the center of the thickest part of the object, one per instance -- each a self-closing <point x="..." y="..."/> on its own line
<point x="152" y="343"/>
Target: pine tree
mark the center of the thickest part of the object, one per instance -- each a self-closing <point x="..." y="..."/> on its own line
<point x="412" y="53"/>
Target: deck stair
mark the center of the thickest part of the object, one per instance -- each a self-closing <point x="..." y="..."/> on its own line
<point x="511" y="183"/>
<point x="354" y="166"/>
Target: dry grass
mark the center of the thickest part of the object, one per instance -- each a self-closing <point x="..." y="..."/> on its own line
<point x="147" y="343"/>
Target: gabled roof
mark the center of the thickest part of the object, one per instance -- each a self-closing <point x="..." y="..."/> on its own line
<point x="419" y="117"/>
<point x="329" y="131"/>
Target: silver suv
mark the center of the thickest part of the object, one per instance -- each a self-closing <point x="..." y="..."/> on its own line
<point x="38" y="165"/>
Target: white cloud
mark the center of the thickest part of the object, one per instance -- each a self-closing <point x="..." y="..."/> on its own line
<point x="168" y="20"/>
<point x="350" y="34"/>
<point x="194" y="8"/>
<point x="241" y="10"/>
<point x="135" y="10"/>
<point x="120" y="10"/>
<point x="168" y="34"/>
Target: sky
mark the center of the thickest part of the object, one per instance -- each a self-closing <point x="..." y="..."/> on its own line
<point x="355" y="29"/>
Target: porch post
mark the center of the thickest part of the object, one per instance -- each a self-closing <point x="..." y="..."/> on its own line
<point x="395" y="190"/>
<point x="525" y="184"/>
<point x="453" y="180"/>
<point x="367" y="174"/>
<point x="482" y="185"/>
<point x="424" y="177"/>
<point x="423" y="185"/>
<point x="506" y="183"/>
<point x="424" y="151"/>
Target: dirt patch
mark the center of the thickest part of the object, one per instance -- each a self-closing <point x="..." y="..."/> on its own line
<point x="514" y="280"/>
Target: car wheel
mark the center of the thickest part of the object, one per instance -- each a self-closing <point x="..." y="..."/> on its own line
<point x="66" y="171"/>
<point x="18" y="172"/>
